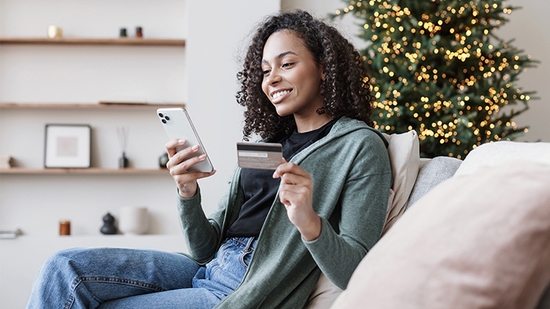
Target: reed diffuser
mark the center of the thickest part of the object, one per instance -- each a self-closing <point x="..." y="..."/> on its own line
<point x="123" y="141"/>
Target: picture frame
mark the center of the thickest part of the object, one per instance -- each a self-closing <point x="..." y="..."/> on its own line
<point x="67" y="146"/>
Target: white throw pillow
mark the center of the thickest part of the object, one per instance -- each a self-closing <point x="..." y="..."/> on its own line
<point x="477" y="241"/>
<point x="404" y="155"/>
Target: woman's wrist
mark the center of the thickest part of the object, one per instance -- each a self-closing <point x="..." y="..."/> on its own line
<point x="312" y="230"/>
<point x="186" y="191"/>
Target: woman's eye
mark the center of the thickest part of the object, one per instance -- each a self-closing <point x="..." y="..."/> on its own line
<point x="287" y="64"/>
<point x="265" y="72"/>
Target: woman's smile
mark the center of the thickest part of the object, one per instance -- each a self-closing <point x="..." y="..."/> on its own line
<point x="279" y="95"/>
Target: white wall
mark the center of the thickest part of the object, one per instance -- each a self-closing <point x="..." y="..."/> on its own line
<point x="527" y="25"/>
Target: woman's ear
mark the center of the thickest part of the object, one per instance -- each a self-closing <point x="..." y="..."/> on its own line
<point x="323" y="73"/>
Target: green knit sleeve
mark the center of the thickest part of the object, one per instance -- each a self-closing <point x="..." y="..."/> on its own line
<point x="352" y="230"/>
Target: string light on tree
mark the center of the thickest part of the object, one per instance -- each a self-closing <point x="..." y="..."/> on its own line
<point x="437" y="67"/>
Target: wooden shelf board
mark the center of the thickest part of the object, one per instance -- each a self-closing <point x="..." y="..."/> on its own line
<point x="93" y="41"/>
<point x="93" y="170"/>
<point x="86" y="105"/>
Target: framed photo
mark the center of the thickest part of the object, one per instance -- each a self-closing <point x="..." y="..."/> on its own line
<point x="67" y="146"/>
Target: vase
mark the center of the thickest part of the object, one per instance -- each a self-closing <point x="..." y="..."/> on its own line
<point x="108" y="227"/>
<point x="133" y="220"/>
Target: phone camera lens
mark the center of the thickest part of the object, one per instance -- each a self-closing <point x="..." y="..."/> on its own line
<point x="163" y="121"/>
<point x="161" y="115"/>
<point x="167" y="118"/>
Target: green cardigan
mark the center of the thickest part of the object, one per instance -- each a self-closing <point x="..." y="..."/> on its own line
<point x="351" y="174"/>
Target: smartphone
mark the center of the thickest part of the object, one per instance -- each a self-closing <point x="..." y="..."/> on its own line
<point x="178" y="125"/>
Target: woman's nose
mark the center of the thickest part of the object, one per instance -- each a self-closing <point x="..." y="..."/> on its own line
<point x="274" y="77"/>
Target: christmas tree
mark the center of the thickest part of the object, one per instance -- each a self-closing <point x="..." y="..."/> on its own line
<point x="437" y="67"/>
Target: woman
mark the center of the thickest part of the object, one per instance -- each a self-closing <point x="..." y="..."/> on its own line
<point x="303" y="85"/>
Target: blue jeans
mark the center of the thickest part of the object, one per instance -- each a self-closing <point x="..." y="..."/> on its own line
<point x="128" y="278"/>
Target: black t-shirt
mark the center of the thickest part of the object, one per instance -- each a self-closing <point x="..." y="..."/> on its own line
<point x="260" y="188"/>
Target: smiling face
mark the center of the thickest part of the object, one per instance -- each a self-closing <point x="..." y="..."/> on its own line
<point x="291" y="79"/>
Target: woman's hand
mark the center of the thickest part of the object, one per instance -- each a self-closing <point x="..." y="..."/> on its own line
<point x="296" y="193"/>
<point x="179" y="164"/>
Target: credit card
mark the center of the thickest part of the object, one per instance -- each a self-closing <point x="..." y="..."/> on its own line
<point x="266" y="156"/>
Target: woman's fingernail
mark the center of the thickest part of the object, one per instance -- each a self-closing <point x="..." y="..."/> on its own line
<point x="202" y="156"/>
<point x="195" y="148"/>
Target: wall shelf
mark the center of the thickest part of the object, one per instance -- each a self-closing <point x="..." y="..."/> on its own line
<point x="93" y="41"/>
<point x="69" y="80"/>
<point x="89" y="171"/>
<point x="86" y="105"/>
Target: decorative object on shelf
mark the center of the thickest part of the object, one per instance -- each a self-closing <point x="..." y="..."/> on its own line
<point x="123" y="161"/>
<point x="54" y="32"/>
<point x="10" y="234"/>
<point x="139" y="32"/>
<point x="123" y="33"/>
<point x="108" y="227"/>
<point x="64" y="227"/>
<point x="163" y="159"/>
<point x="67" y="146"/>
<point x="6" y="162"/>
<point x="123" y="140"/>
<point x="133" y="220"/>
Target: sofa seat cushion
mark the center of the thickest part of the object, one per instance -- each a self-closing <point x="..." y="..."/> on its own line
<point x="475" y="241"/>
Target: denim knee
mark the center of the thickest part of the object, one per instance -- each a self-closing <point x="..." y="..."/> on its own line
<point x="58" y="260"/>
<point x="62" y="259"/>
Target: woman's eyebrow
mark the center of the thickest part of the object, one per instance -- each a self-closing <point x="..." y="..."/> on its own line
<point x="281" y="55"/>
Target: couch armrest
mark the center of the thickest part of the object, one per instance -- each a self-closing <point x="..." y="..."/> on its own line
<point x="431" y="173"/>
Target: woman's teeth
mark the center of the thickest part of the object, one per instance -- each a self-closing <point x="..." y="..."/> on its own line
<point x="280" y="94"/>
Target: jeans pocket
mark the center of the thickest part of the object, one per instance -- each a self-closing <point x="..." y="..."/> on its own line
<point x="246" y="256"/>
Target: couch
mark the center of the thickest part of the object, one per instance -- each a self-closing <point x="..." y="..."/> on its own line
<point x="472" y="233"/>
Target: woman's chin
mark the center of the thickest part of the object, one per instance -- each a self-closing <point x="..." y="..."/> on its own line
<point x="282" y="112"/>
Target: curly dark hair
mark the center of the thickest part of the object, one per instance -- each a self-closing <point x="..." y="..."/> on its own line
<point x="346" y="88"/>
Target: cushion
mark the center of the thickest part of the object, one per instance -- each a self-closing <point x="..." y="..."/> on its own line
<point x="431" y="173"/>
<point x="492" y="154"/>
<point x="324" y="295"/>
<point x="475" y="241"/>
<point x="404" y="155"/>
